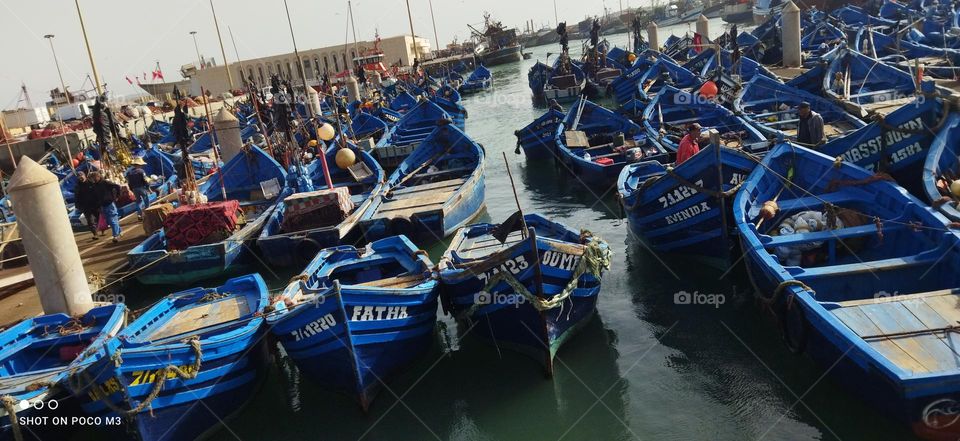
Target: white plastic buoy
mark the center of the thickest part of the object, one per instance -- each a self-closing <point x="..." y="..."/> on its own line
<point x="228" y="133"/>
<point x="48" y="240"/>
<point x="313" y="100"/>
<point x="353" y="89"/>
<point x="703" y="28"/>
<point x="653" y="37"/>
<point x="791" y="36"/>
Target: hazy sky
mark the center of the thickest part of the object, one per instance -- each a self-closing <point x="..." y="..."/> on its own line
<point x="129" y="37"/>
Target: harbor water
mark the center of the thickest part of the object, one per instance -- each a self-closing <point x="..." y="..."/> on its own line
<point x="677" y="351"/>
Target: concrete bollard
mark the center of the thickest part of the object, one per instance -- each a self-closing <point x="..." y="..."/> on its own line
<point x="791" y="36"/>
<point x="313" y="100"/>
<point x="703" y="28"/>
<point x="48" y="240"/>
<point x="353" y="89"/>
<point x="653" y="36"/>
<point x="228" y="134"/>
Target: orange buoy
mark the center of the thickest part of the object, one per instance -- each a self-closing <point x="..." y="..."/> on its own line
<point x="708" y="89"/>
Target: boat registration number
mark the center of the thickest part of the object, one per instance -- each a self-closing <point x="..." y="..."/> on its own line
<point x="313" y="328"/>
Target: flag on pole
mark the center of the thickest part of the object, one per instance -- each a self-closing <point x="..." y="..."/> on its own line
<point x="129" y="80"/>
<point x="697" y="42"/>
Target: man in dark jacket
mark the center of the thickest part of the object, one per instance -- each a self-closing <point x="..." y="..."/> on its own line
<point x="139" y="184"/>
<point x="809" y="126"/>
<point x="106" y="195"/>
<point x="85" y="198"/>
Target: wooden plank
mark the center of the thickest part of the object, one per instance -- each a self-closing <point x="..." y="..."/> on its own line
<point x="576" y="139"/>
<point x="430" y="186"/>
<point x="930" y="345"/>
<point x="923" y="312"/>
<point x="947" y="307"/>
<point x="202" y="316"/>
<point x="859" y="323"/>
<point x="401" y="281"/>
<point x="885" y="317"/>
<point x="899" y="298"/>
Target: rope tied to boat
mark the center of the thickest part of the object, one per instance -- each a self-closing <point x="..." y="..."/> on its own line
<point x="769" y="302"/>
<point x="10" y="405"/>
<point x="718" y="194"/>
<point x="161" y="378"/>
<point x="595" y="260"/>
<point x="213" y="295"/>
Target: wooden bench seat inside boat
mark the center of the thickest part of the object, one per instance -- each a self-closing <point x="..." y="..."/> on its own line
<point x="407" y="201"/>
<point x="203" y="315"/>
<point x="398" y="282"/>
<point x="916" y="332"/>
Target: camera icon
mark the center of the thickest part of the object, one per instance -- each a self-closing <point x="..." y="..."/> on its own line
<point x="682" y="298"/>
<point x="482" y="298"/>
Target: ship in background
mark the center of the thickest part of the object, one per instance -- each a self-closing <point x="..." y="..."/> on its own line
<point x="497" y="45"/>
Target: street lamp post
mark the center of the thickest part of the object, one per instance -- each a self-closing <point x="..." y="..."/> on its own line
<point x="66" y="94"/>
<point x="197" y="48"/>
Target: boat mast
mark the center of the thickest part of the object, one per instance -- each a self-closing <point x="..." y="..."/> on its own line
<point x="353" y="27"/>
<point x="237" y="54"/>
<point x="416" y="50"/>
<point x="93" y="64"/>
<point x="434" y="21"/>
<point x="296" y="53"/>
<point x="223" y="53"/>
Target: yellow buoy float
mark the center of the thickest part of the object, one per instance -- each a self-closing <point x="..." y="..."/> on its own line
<point x="346" y="158"/>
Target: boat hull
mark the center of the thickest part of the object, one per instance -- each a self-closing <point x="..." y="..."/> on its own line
<point x="672" y="217"/>
<point x="355" y="356"/>
<point x="505" y="55"/>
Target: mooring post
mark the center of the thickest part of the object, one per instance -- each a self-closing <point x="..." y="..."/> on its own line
<point x="48" y="240"/>
<point x="653" y="36"/>
<point x="228" y="134"/>
<point x="791" y="36"/>
<point x="353" y="89"/>
<point x="703" y="28"/>
<point x="313" y="100"/>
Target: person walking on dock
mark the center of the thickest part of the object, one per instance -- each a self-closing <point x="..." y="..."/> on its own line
<point x="106" y="194"/>
<point x="809" y="127"/>
<point x="85" y="197"/>
<point x="139" y="185"/>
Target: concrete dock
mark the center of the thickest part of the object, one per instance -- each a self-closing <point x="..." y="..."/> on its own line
<point x="102" y="260"/>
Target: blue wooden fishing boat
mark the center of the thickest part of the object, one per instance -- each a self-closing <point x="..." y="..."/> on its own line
<point x="449" y="100"/>
<point x="184" y="366"/>
<point x="685" y="210"/>
<point x="942" y="167"/>
<point x="404" y="137"/>
<point x="285" y="245"/>
<point x="897" y="144"/>
<point x="437" y="189"/>
<point x="626" y="87"/>
<point x="855" y="16"/>
<point x="530" y="292"/>
<point x="481" y="79"/>
<point x="565" y="82"/>
<point x="245" y="178"/>
<point x="403" y="102"/>
<point x="365" y="125"/>
<point x="537" y="77"/>
<point x="664" y="72"/>
<point x="669" y="113"/>
<point x="818" y="39"/>
<point x="537" y="138"/>
<point x="594" y="143"/>
<point x="159" y="166"/>
<point x="862" y="276"/>
<point x="867" y="85"/>
<point x="356" y="317"/>
<point x="939" y="61"/>
<point x="38" y="354"/>
<point x="772" y="108"/>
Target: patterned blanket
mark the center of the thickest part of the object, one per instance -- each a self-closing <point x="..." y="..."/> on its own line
<point x="199" y="224"/>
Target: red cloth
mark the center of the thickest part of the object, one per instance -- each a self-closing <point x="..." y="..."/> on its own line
<point x="688" y="148"/>
<point x="190" y="225"/>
